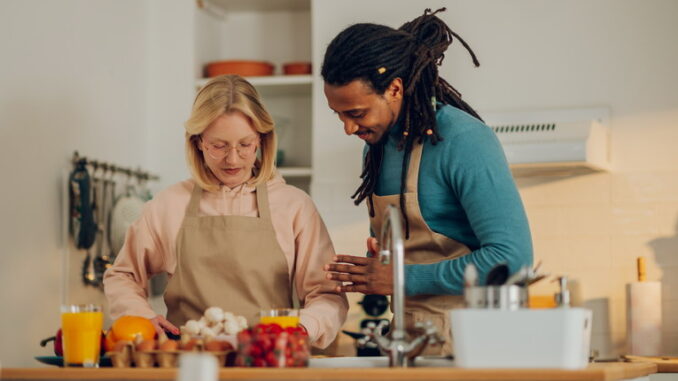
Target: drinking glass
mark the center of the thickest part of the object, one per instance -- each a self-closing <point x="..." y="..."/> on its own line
<point x="81" y="326"/>
<point x="284" y="317"/>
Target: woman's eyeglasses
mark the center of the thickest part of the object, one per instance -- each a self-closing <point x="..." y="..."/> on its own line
<point x="220" y="150"/>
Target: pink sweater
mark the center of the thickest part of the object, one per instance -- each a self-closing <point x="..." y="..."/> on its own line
<point x="150" y="248"/>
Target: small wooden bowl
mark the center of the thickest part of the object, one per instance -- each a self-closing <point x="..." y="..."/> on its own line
<point x="297" y="68"/>
<point x="242" y="68"/>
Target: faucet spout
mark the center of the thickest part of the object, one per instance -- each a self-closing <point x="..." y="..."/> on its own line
<point x="393" y="252"/>
<point x="400" y="350"/>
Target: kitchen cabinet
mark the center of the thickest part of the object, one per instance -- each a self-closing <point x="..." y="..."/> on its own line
<point x="594" y="372"/>
<point x="277" y="31"/>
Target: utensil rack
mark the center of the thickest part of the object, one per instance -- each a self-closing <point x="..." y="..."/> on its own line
<point x="138" y="173"/>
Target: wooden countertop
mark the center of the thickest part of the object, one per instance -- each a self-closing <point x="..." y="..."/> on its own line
<point x="665" y="364"/>
<point x="594" y="372"/>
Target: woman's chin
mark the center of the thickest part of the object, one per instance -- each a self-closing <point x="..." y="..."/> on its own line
<point x="232" y="178"/>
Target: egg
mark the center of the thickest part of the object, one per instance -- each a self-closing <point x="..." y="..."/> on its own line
<point x="190" y="345"/>
<point x="169" y="345"/>
<point x="120" y="345"/>
<point x="213" y="346"/>
<point x="146" y="346"/>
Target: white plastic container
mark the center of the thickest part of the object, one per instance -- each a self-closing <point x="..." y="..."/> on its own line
<point x="524" y="338"/>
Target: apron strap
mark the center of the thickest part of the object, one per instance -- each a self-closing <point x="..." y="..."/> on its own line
<point x="262" y="202"/>
<point x="413" y="168"/>
<point x="194" y="203"/>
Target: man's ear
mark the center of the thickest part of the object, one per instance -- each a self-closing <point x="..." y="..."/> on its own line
<point x="395" y="89"/>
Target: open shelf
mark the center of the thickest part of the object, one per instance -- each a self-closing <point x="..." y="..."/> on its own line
<point x="295" y="171"/>
<point x="276" y="84"/>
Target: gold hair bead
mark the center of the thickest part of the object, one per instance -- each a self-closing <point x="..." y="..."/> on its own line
<point x="381" y="70"/>
<point x="429" y="132"/>
<point x="405" y="133"/>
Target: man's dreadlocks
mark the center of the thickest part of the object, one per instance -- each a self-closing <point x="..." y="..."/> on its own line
<point x="377" y="54"/>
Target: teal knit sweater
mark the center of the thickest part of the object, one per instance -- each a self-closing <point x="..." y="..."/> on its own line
<point x="466" y="192"/>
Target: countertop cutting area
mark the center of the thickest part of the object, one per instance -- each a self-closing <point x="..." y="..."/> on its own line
<point x="594" y="372"/>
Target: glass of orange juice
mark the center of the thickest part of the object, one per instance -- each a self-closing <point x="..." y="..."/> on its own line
<point x="81" y="326"/>
<point x="284" y="317"/>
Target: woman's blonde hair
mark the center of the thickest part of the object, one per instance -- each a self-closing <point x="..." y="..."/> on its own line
<point x="222" y="95"/>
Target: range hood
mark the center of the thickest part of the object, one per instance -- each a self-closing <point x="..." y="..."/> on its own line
<point x="553" y="142"/>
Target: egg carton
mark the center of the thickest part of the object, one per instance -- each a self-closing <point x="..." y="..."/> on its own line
<point x="129" y="357"/>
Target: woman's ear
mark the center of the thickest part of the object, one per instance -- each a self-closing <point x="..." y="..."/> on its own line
<point x="197" y="142"/>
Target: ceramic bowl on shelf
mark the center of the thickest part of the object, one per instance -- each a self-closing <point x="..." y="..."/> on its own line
<point x="296" y="68"/>
<point x="240" y="67"/>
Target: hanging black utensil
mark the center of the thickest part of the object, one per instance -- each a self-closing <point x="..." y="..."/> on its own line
<point x="83" y="226"/>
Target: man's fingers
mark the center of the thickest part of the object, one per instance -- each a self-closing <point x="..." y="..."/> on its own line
<point x="352" y="259"/>
<point x="343" y="277"/>
<point x="350" y="269"/>
<point x="354" y="288"/>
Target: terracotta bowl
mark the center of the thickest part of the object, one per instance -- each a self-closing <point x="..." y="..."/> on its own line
<point x="243" y="68"/>
<point x="292" y="68"/>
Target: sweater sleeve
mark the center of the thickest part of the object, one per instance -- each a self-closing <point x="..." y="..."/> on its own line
<point x="126" y="281"/>
<point x="478" y="175"/>
<point x="324" y="310"/>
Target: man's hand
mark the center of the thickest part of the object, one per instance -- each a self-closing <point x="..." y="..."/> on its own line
<point x="161" y="324"/>
<point x="364" y="274"/>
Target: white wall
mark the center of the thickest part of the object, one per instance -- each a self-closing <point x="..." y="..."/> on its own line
<point x="76" y="75"/>
<point x="542" y="55"/>
<point x="171" y="88"/>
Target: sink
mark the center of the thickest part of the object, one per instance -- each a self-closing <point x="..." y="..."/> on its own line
<point x="375" y="362"/>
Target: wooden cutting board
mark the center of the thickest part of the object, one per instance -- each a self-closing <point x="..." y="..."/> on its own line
<point x="665" y="364"/>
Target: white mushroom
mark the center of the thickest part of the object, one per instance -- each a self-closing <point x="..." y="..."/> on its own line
<point x="217" y="328"/>
<point x="214" y="315"/>
<point x="192" y="327"/>
<point x="228" y="316"/>
<point x="242" y="322"/>
<point x="207" y="332"/>
<point x="231" y="327"/>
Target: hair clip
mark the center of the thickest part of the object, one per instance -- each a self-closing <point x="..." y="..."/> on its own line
<point x="433" y="102"/>
<point x="381" y="70"/>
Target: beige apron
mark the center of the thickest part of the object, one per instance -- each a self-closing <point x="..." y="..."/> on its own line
<point x="423" y="246"/>
<point x="232" y="262"/>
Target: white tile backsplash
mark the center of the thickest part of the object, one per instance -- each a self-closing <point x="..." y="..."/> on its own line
<point x="593" y="228"/>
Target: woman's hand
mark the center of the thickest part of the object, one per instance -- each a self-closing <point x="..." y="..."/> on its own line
<point x="365" y="274"/>
<point x="161" y="324"/>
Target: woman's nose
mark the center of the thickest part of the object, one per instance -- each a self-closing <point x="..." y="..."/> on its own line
<point x="231" y="155"/>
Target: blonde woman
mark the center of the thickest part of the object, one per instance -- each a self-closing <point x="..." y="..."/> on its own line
<point x="234" y="235"/>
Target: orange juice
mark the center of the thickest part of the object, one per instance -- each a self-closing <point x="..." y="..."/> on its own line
<point x="283" y="321"/>
<point x="81" y="329"/>
<point x="284" y="317"/>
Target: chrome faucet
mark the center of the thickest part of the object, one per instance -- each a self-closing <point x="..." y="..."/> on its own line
<point x="400" y="351"/>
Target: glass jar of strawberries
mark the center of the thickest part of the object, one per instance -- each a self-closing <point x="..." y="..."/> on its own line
<point x="269" y="345"/>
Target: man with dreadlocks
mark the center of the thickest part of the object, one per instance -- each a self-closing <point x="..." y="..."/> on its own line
<point x="429" y="153"/>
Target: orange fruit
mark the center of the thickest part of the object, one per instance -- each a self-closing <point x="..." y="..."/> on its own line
<point x="109" y="341"/>
<point x="128" y="327"/>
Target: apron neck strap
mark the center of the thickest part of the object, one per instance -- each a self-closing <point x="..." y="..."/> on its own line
<point x="413" y="168"/>
<point x="262" y="202"/>
<point x="194" y="203"/>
